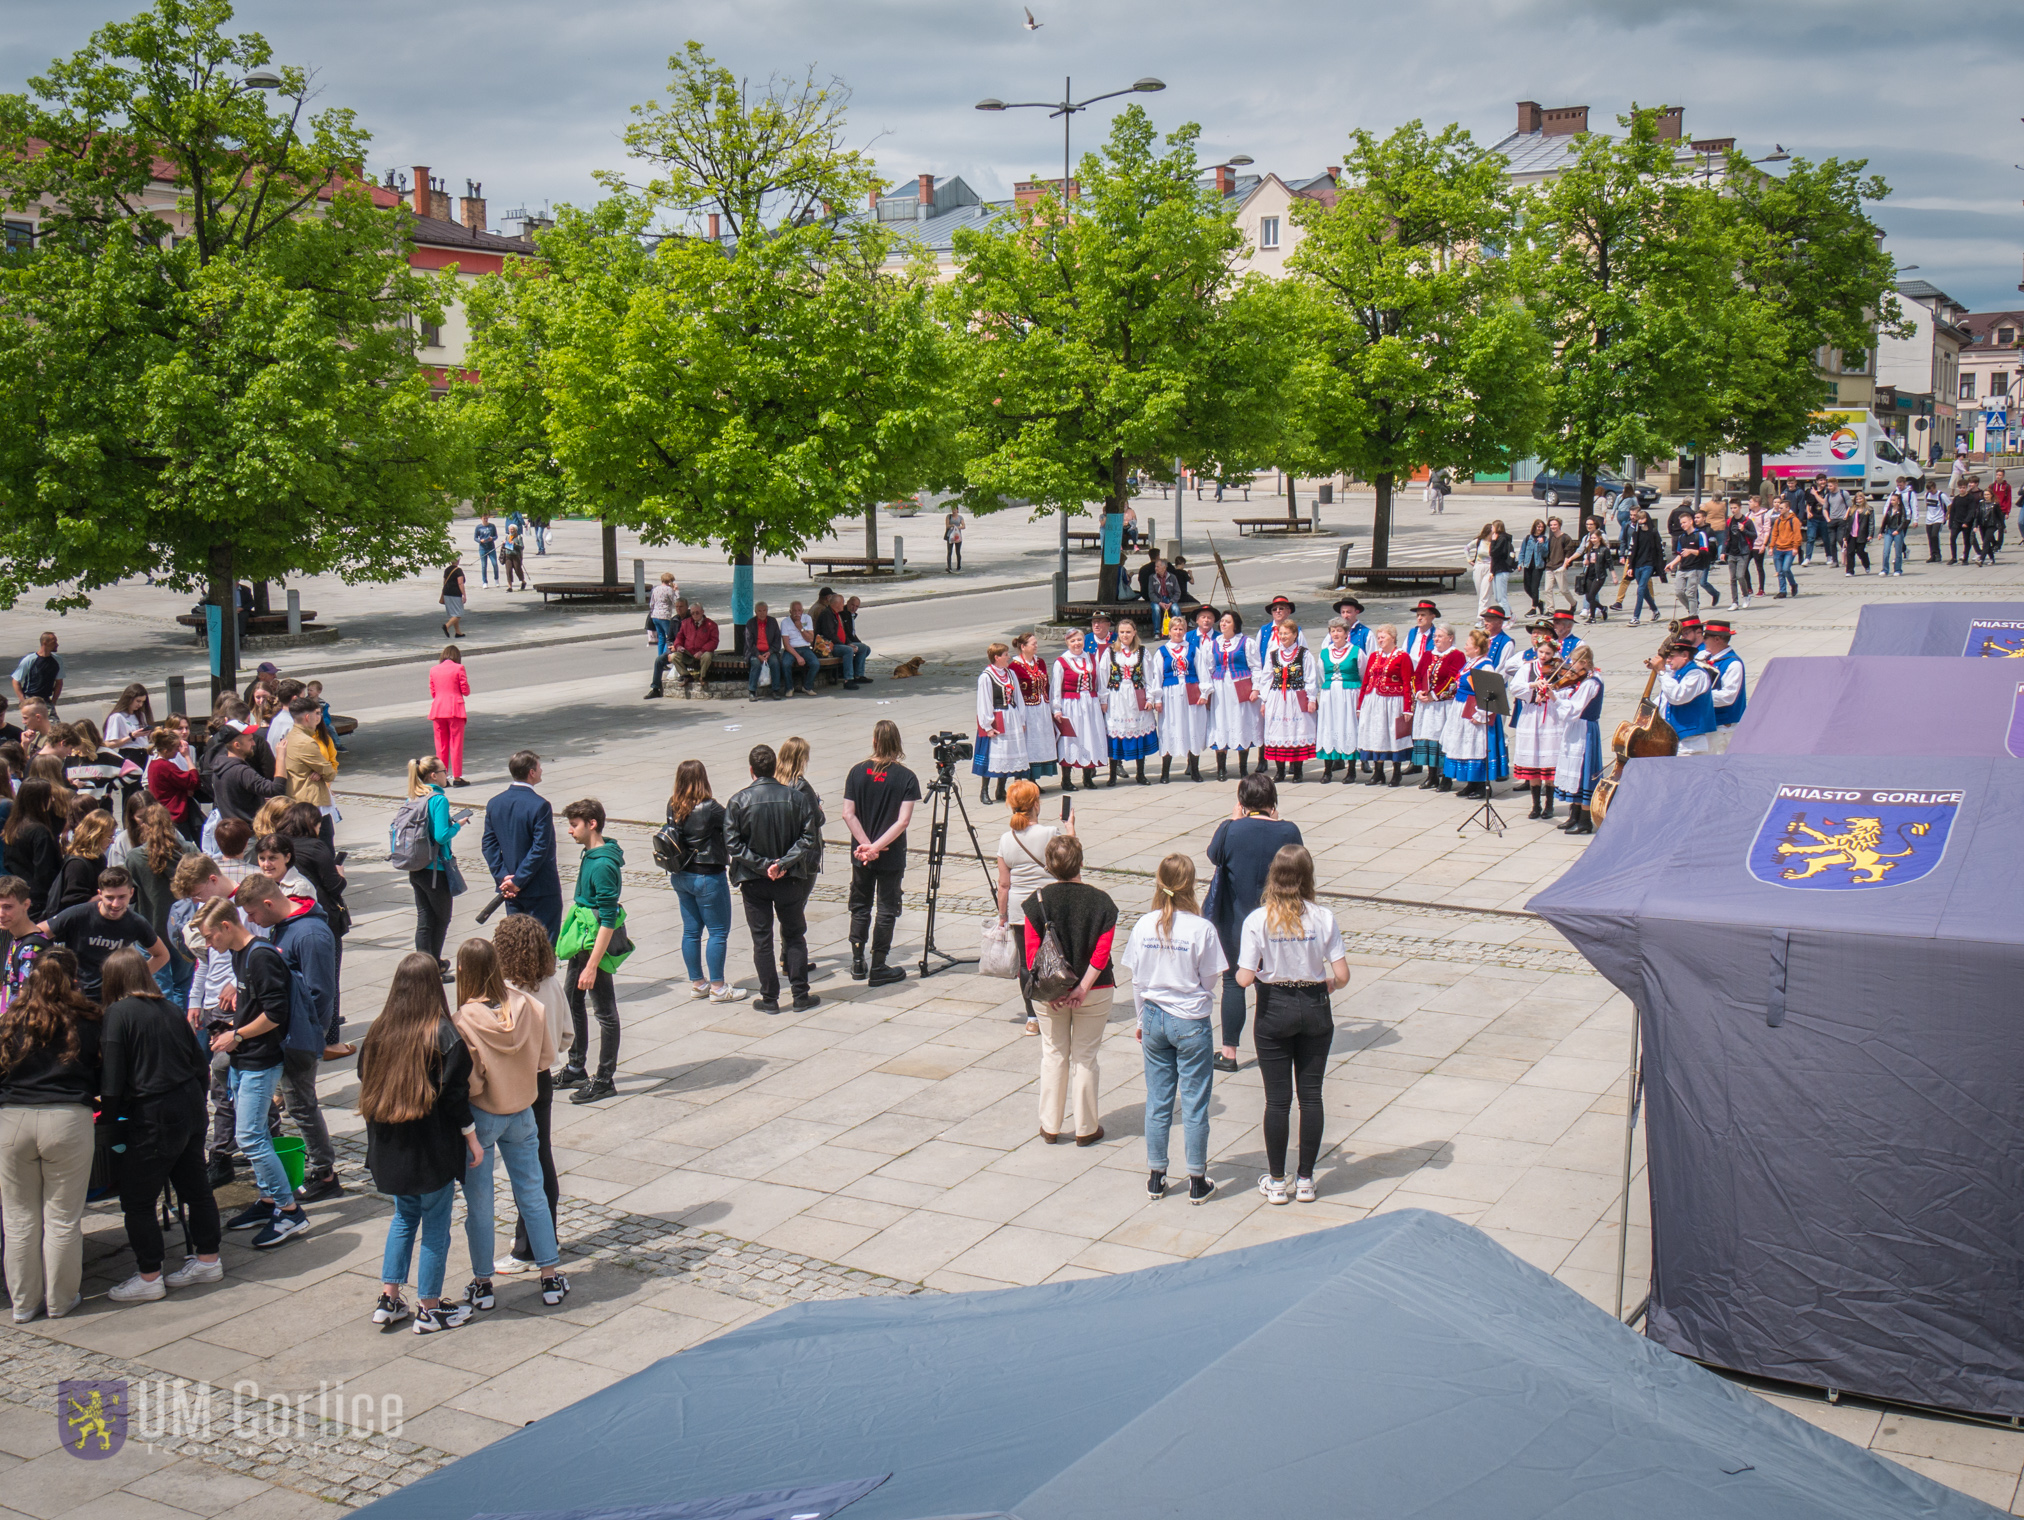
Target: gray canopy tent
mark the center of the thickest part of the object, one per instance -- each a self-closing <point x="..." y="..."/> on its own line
<point x="1884" y="705"/>
<point x="1951" y="629"/>
<point x="1825" y="953"/>
<point x="1404" y="1366"/>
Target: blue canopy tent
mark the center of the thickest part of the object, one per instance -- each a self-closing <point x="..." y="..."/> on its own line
<point x="1825" y="953"/>
<point x="1975" y="629"/>
<point x="1884" y="705"/>
<point x="1403" y="1366"/>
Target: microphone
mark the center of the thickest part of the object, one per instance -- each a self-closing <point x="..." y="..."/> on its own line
<point x="498" y="901"/>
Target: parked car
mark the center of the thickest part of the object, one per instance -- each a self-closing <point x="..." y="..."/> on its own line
<point x="1568" y="487"/>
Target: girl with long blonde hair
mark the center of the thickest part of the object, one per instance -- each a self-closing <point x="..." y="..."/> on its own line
<point x="1176" y="963"/>
<point x="1292" y="951"/>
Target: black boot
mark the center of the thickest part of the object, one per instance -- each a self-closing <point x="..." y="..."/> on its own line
<point x="883" y="975"/>
<point x="1115" y="767"/>
<point x="1278" y="769"/>
<point x="1397" y="768"/>
<point x="1068" y="778"/>
<point x="1583" y="823"/>
<point x="1243" y="763"/>
<point x="1001" y="788"/>
<point x="1573" y="821"/>
<point x="1412" y="770"/>
<point x="1535" y="801"/>
<point x="1194" y="767"/>
<point x="1088" y="777"/>
<point x="1376" y="775"/>
<point x="985" y="794"/>
<point x="1222" y="765"/>
<point x="1327" y="771"/>
<point x="1547" y="811"/>
<point x="1433" y="777"/>
<point x="1142" y="770"/>
<point x="1166" y="769"/>
<point x="858" y="971"/>
<point x="1296" y="770"/>
<point x="1447" y="784"/>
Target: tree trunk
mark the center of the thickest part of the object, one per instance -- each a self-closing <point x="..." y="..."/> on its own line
<point x="1292" y="499"/>
<point x="1381" y="521"/>
<point x="1756" y="468"/>
<point x="741" y="598"/>
<point x="1586" y="506"/>
<point x="610" y="534"/>
<point x="871" y="536"/>
<point x="260" y="597"/>
<point x="224" y="596"/>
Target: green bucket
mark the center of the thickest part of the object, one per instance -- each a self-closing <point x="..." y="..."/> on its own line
<point x="293" y="1153"/>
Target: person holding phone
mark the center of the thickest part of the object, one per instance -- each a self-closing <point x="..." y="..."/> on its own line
<point x="1022" y="861"/>
<point x="437" y="884"/>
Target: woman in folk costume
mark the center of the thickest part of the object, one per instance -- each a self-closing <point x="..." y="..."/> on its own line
<point x="1474" y="751"/>
<point x="1288" y="705"/>
<point x="1001" y="723"/>
<point x="1581" y="741"/>
<point x="1031" y="673"/>
<point x="1078" y="713"/>
<point x="1130" y="718"/>
<point x="1233" y="706"/>
<point x="1535" y="723"/>
<point x="1183" y="703"/>
<point x="1386" y="707"/>
<point x="1431" y="707"/>
<point x="1339" y="677"/>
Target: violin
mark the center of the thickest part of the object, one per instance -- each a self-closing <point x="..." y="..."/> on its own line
<point x="1638" y="738"/>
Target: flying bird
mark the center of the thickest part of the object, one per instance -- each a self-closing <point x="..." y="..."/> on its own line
<point x="1030" y="24"/>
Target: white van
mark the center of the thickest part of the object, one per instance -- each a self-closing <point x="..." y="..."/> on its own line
<point x="1855" y="451"/>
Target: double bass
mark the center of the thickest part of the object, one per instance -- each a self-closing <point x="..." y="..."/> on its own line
<point x="1637" y="738"/>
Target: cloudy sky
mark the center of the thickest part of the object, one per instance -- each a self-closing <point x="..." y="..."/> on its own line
<point x="529" y="96"/>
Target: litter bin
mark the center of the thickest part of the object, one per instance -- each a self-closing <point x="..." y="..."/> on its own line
<point x="293" y="1153"/>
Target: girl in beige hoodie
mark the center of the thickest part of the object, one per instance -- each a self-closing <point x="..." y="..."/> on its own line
<point x="507" y="1034"/>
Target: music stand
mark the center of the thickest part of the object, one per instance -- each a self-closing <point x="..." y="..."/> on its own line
<point x="1494" y="696"/>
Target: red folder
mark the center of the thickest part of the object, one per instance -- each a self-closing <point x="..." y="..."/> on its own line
<point x="1194" y="694"/>
<point x="1063" y="727"/>
<point x="1145" y="699"/>
<point x="1243" y="688"/>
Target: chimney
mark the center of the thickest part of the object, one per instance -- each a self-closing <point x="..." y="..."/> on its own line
<point x="1671" y="123"/>
<point x="927" y="191"/>
<point x="1226" y="179"/>
<point x="874" y="200"/>
<point x="423" y="203"/>
<point x="1335" y="172"/>
<point x="716" y="236"/>
<point x="1528" y="116"/>
<point x="1564" y="121"/>
<point x="471" y="211"/>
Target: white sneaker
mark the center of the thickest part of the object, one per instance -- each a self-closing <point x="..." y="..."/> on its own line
<point x="699" y="990"/>
<point x="730" y="994"/>
<point x="1274" y="1188"/>
<point x="511" y="1266"/>
<point x="1303" y="1190"/>
<point x="193" y="1271"/>
<point x="1735" y="606"/>
<point x="138" y="1290"/>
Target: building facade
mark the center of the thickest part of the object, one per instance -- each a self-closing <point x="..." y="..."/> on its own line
<point x="1928" y="363"/>
<point x="1991" y="388"/>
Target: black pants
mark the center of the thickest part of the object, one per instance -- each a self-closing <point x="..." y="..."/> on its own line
<point x="953" y="559"/>
<point x="1932" y="543"/>
<point x="1853" y="549"/>
<point x="1534" y="576"/>
<point x="1294" y="1030"/>
<point x="544" y="1106"/>
<point x="1959" y="532"/>
<point x="1233" y="1007"/>
<point x="867" y="882"/>
<point x="786" y="899"/>
<point x="604" y="1001"/>
<point x="1757" y="560"/>
<point x="298" y="1097"/>
<point x="433" y="907"/>
<point x="165" y="1143"/>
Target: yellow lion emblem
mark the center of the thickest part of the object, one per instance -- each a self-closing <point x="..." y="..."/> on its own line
<point x="1857" y="848"/>
<point x="88" y="1421"/>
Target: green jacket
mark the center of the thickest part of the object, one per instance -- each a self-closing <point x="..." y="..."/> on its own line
<point x="598" y="880"/>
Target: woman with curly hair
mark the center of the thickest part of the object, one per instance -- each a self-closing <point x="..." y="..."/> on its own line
<point x="527" y="961"/>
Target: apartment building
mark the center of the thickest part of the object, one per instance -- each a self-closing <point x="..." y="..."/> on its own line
<point x="1991" y="388"/>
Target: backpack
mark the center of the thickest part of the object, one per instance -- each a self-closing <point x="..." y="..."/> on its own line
<point x="409" y="847"/>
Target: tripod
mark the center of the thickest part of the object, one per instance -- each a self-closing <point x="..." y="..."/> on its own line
<point x="941" y="791"/>
<point x="1486" y="815"/>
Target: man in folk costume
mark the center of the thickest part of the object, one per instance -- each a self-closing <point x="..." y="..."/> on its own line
<point x="1130" y="717"/>
<point x="1001" y="723"/>
<point x="1078" y="713"/>
<point x="1581" y="752"/>
<point x="1731" y="693"/>
<point x="1564" y="635"/>
<point x="1432" y="687"/>
<point x="1183" y="703"/>
<point x="1535" y="732"/>
<point x="1686" y="695"/>
<point x="1281" y="611"/>
<point x="1350" y="610"/>
<point x="1204" y="629"/>
<point x="1288" y="705"/>
<point x="1691" y="631"/>
<point x="1098" y="639"/>
<point x="1507" y="655"/>
<point x="1386" y="706"/>
<point x="1420" y="637"/>
<point x="1233" y="704"/>
<point x="1030" y="670"/>
<point x="1338" y="666"/>
<point x="1474" y="752"/>
<point x="1419" y="646"/>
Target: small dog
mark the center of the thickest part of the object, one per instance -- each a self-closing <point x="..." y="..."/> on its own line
<point x="910" y="669"/>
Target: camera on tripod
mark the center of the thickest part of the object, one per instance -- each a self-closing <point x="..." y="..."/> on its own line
<point x="951" y="747"/>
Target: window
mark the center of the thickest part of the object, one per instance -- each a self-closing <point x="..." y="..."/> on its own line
<point x="20" y="236"/>
<point x="1855" y="363"/>
<point x="2006" y="336"/>
<point x="1967" y="387"/>
<point x="1268" y="232"/>
<point x="432" y="335"/>
<point x="1833" y="393"/>
<point x="1999" y="383"/>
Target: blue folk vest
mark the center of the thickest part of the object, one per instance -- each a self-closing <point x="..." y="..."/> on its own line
<point x="1730" y="716"/>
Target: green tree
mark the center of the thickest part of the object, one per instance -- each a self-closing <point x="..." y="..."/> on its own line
<point x="1416" y="353"/>
<point x="1812" y="265"/>
<point x="227" y="387"/>
<point x="1624" y="263"/>
<point x="1110" y="339"/>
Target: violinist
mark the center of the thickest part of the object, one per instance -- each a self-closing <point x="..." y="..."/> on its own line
<point x="1577" y="698"/>
<point x="1535" y="728"/>
<point x="1686" y="695"/>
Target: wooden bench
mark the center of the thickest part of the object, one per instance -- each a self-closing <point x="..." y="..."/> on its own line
<point x="857" y="563"/>
<point x="1274" y="525"/>
<point x="1401" y="577"/>
<point x="585" y="591"/>
<point x="1139" y="612"/>
<point x="257" y="623"/>
<point x="727" y="666"/>
<point x="1085" y="538"/>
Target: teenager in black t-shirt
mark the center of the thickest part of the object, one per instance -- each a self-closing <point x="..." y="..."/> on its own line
<point x="878" y="801"/>
<point x="93" y="930"/>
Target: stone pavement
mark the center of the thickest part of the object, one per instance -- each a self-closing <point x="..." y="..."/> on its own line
<point x="886" y="1142"/>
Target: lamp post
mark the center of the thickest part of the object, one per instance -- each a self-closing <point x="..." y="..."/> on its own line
<point x="1065" y="108"/>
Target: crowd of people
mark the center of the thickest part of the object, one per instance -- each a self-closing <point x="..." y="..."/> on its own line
<point x="783" y="654"/>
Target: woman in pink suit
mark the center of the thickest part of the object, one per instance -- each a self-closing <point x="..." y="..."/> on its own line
<point x="448" y="686"/>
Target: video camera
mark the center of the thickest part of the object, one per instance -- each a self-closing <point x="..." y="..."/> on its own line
<point x="951" y="747"/>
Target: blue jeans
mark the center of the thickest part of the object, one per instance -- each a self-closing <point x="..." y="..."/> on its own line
<point x="174" y="979"/>
<point x="1781" y="561"/>
<point x="1893" y="553"/>
<point x="706" y="904"/>
<point x="426" y="1214"/>
<point x="519" y="1142"/>
<point x="541" y="538"/>
<point x="488" y="561"/>
<point x="853" y="657"/>
<point x="754" y="663"/>
<point x="1180" y="1053"/>
<point x="660" y="638"/>
<point x="800" y="671"/>
<point x="1644" y="593"/>
<point x="252" y="1092"/>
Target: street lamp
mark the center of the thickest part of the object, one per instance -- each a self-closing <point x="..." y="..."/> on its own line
<point x="261" y="79"/>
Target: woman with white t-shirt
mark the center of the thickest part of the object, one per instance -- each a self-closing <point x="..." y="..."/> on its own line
<point x="1176" y="964"/>
<point x="1292" y="950"/>
<point x="1022" y="862"/>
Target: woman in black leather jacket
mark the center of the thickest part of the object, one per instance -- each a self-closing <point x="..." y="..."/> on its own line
<point x="696" y="828"/>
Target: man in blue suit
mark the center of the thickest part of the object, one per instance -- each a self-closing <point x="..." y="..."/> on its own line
<point x="519" y="845"/>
